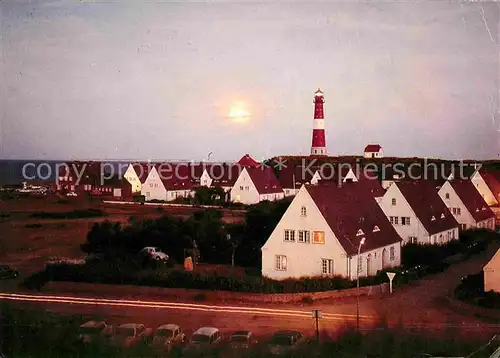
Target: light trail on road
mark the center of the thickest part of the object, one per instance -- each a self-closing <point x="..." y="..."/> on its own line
<point x="175" y="305"/>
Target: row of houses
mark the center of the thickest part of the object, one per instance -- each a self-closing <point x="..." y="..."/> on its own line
<point x="329" y="222"/>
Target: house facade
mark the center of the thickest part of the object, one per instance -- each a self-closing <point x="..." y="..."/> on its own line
<point x="255" y="185"/>
<point x="492" y="274"/>
<point x="320" y="233"/>
<point x="467" y="205"/>
<point x="373" y="151"/>
<point x="136" y="174"/>
<point x="418" y="214"/>
<point x="168" y="182"/>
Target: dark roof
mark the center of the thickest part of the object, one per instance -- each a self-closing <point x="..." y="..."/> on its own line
<point x="492" y="180"/>
<point x="294" y="177"/>
<point x="472" y="199"/>
<point x="373" y="148"/>
<point x="438" y="173"/>
<point x="142" y="170"/>
<point x="176" y="176"/>
<point x="264" y="180"/>
<point x="425" y="201"/>
<point x="248" y="161"/>
<point x="225" y="175"/>
<point x="349" y="208"/>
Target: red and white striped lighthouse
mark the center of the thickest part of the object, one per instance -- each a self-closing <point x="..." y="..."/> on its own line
<point x="318" y="146"/>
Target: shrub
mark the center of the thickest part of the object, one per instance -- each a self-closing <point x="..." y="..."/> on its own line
<point x="33" y="226"/>
<point x="75" y="214"/>
<point x="471" y="290"/>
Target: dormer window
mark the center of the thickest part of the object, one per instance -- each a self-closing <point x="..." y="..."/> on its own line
<point x="483" y="208"/>
<point x="393" y="201"/>
<point x="375" y="228"/>
<point x="360" y="232"/>
<point x="447" y="195"/>
<point x="433" y="218"/>
<point x="442" y="216"/>
<point x="303" y="211"/>
<point x="477" y="209"/>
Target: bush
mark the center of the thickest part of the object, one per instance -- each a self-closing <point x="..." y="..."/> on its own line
<point x="471" y="290"/>
<point x="33" y="226"/>
<point x="75" y="214"/>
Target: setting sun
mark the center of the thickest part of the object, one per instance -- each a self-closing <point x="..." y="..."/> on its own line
<point x="238" y="113"/>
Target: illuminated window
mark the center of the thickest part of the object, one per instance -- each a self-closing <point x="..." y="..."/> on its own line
<point x="319" y="237"/>
<point x="280" y="263"/>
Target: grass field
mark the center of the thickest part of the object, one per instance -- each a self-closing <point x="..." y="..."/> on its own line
<point x="27" y="242"/>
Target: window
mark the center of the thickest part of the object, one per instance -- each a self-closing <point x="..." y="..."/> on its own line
<point x="391" y="218"/>
<point x="303" y="211"/>
<point x="448" y="236"/>
<point x="412" y="240"/>
<point x="304" y="236"/>
<point x="447" y="195"/>
<point x="433" y="218"/>
<point x="391" y="253"/>
<point x="458" y="211"/>
<point x="241" y="187"/>
<point x="280" y="263"/>
<point x="360" y="232"/>
<point x="454" y="211"/>
<point x="453" y="234"/>
<point x="396" y="220"/>
<point x="327" y="266"/>
<point x="440" y="241"/>
<point x="442" y="216"/>
<point x="247" y="188"/>
<point x="375" y="228"/>
<point x="393" y="201"/>
<point x="405" y="220"/>
<point x="290" y="235"/>
<point x="319" y="237"/>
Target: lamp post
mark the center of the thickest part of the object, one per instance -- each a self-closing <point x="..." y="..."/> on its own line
<point x="357" y="283"/>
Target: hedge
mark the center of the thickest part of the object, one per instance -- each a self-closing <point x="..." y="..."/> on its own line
<point x="116" y="273"/>
<point x="471" y="290"/>
<point x="75" y="214"/>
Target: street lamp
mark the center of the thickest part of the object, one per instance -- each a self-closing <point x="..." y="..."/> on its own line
<point x="357" y="279"/>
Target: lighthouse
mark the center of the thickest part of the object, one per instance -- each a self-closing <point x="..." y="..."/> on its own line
<point x="318" y="146"/>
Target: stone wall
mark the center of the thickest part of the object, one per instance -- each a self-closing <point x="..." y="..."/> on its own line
<point x="158" y="293"/>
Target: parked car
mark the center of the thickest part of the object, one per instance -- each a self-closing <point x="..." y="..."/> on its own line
<point x="94" y="330"/>
<point x="130" y="334"/>
<point x="7" y="272"/>
<point x="241" y="340"/>
<point x="203" y="340"/>
<point x="154" y="253"/>
<point x="283" y="342"/>
<point x="168" y="336"/>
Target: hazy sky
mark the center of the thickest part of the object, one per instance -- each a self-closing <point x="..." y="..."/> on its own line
<point x="157" y="80"/>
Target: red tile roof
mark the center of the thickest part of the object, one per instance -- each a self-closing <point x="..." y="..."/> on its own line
<point x="349" y="208"/>
<point x="423" y="198"/>
<point x="264" y="180"/>
<point x="372" y="148"/>
<point x="248" y="161"/>
<point x="492" y="180"/>
<point x="225" y="175"/>
<point x="472" y="199"/>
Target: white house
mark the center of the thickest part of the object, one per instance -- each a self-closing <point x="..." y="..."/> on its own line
<point x="487" y="183"/>
<point x="467" y="205"/>
<point x="321" y="231"/>
<point x="256" y="184"/>
<point x="373" y="151"/>
<point x="492" y="274"/>
<point x="136" y="174"/>
<point x="418" y="214"/>
<point x="168" y="182"/>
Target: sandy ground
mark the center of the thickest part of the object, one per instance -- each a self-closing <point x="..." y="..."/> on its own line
<point x="28" y="249"/>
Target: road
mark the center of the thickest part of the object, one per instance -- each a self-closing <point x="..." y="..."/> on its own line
<point x="419" y="305"/>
